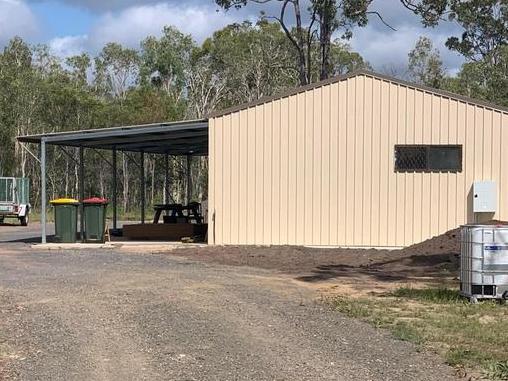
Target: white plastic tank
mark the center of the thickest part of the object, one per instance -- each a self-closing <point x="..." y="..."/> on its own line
<point x="484" y="262"/>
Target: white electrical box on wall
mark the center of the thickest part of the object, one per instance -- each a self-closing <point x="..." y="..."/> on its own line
<point x="484" y="197"/>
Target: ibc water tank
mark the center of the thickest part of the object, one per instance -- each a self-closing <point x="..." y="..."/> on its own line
<point x="484" y="262"/>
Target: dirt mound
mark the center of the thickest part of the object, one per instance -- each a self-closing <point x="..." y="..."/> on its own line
<point x="436" y="257"/>
<point x="434" y="260"/>
<point x="448" y="242"/>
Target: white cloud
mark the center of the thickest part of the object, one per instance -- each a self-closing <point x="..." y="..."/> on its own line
<point x="101" y="5"/>
<point x="386" y="48"/>
<point x="133" y="24"/>
<point x="16" y="19"/>
<point x="69" y="45"/>
<point x="130" y="26"/>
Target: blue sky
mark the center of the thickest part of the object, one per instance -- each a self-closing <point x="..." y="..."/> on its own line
<point x="73" y="26"/>
<point x="61" y="19"/>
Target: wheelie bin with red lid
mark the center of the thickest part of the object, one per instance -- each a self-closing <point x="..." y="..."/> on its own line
<point x="94" y="210"/>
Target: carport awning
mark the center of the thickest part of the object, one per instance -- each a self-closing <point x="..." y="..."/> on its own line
<point x="173" y="138"/>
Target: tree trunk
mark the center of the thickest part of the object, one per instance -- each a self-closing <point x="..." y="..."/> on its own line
<point x="152" y="191"/>
<point x="125" y="179"/>
<point x="302" y="61"/>
<point x="66" y="176"/>
<point x="325" y="36"/>
<point x="76" y="178"/>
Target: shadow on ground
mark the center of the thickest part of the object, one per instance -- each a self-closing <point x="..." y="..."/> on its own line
<point x="400" y="269"/>
<point x="37" y="239"/>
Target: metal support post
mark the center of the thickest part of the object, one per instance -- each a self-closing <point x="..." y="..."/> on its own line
<point x="43" y="190"/>
<point x="166" y="181"/>
<point x="142" y="187"/>
<point x="114" y="197"/>
<point x="81" y="194"/>
<point x="189" y="179"/>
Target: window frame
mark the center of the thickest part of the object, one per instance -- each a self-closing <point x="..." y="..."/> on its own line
<point x="428" y="148"/>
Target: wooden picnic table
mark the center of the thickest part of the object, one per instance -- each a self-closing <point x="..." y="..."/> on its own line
<point x="190" y="212"/>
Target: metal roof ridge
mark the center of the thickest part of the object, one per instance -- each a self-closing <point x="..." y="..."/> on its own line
<point x="364" y="72"/>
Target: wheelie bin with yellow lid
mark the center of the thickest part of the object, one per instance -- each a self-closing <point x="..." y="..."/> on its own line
<point x="66" y="219"/>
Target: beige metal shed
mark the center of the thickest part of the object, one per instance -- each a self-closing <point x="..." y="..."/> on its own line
<point x="357" y="160"/>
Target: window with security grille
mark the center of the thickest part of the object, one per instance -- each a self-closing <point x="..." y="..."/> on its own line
<point x="428" y="158"/>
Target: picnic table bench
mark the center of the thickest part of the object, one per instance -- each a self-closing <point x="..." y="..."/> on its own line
<point x="191" y="212"/>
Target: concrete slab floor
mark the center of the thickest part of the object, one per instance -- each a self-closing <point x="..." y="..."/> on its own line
<point x="130" y="245"/>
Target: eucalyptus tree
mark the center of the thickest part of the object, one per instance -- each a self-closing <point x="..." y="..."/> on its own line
<point x="253" y="60"/>
<point x="485" y="25"/>
<point x="344" y="60"/>
<point x="483" y="42"/>
<point x="308" y="25"/>
<point x="19" y="101"/>
<point x="116" y="70"/>
<point x="425" y="64"/>
<point x="80" y="66"/>
<point x="482" y="80"/>
<point x="164" y="61"/>
<point x="206" y="86"/>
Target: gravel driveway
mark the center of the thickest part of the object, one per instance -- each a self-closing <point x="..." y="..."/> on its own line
<point x="112" y="315"/>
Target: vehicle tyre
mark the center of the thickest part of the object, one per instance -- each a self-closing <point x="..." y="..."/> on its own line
<point x="24" y="220"/>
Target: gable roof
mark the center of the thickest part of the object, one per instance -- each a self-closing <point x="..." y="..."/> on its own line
<point x="367" y="73"/>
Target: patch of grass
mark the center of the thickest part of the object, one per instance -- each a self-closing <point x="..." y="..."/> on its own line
<point x="405" y="332"/>
<point x="466" y="335"/>
<point x="356" y="310"/>
<point x="35" y="216"/>
<point x="436" y="295"/>
<point x="498" y="370"/>
<point x="459" y="356"/>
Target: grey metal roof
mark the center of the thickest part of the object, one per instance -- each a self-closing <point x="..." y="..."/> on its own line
<point x="174" y="138"/>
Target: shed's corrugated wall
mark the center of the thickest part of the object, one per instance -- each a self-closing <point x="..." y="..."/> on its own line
<point x="317" y="168"/>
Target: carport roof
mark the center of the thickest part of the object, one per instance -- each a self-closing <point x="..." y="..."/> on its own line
<point x="174" y="138"/>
